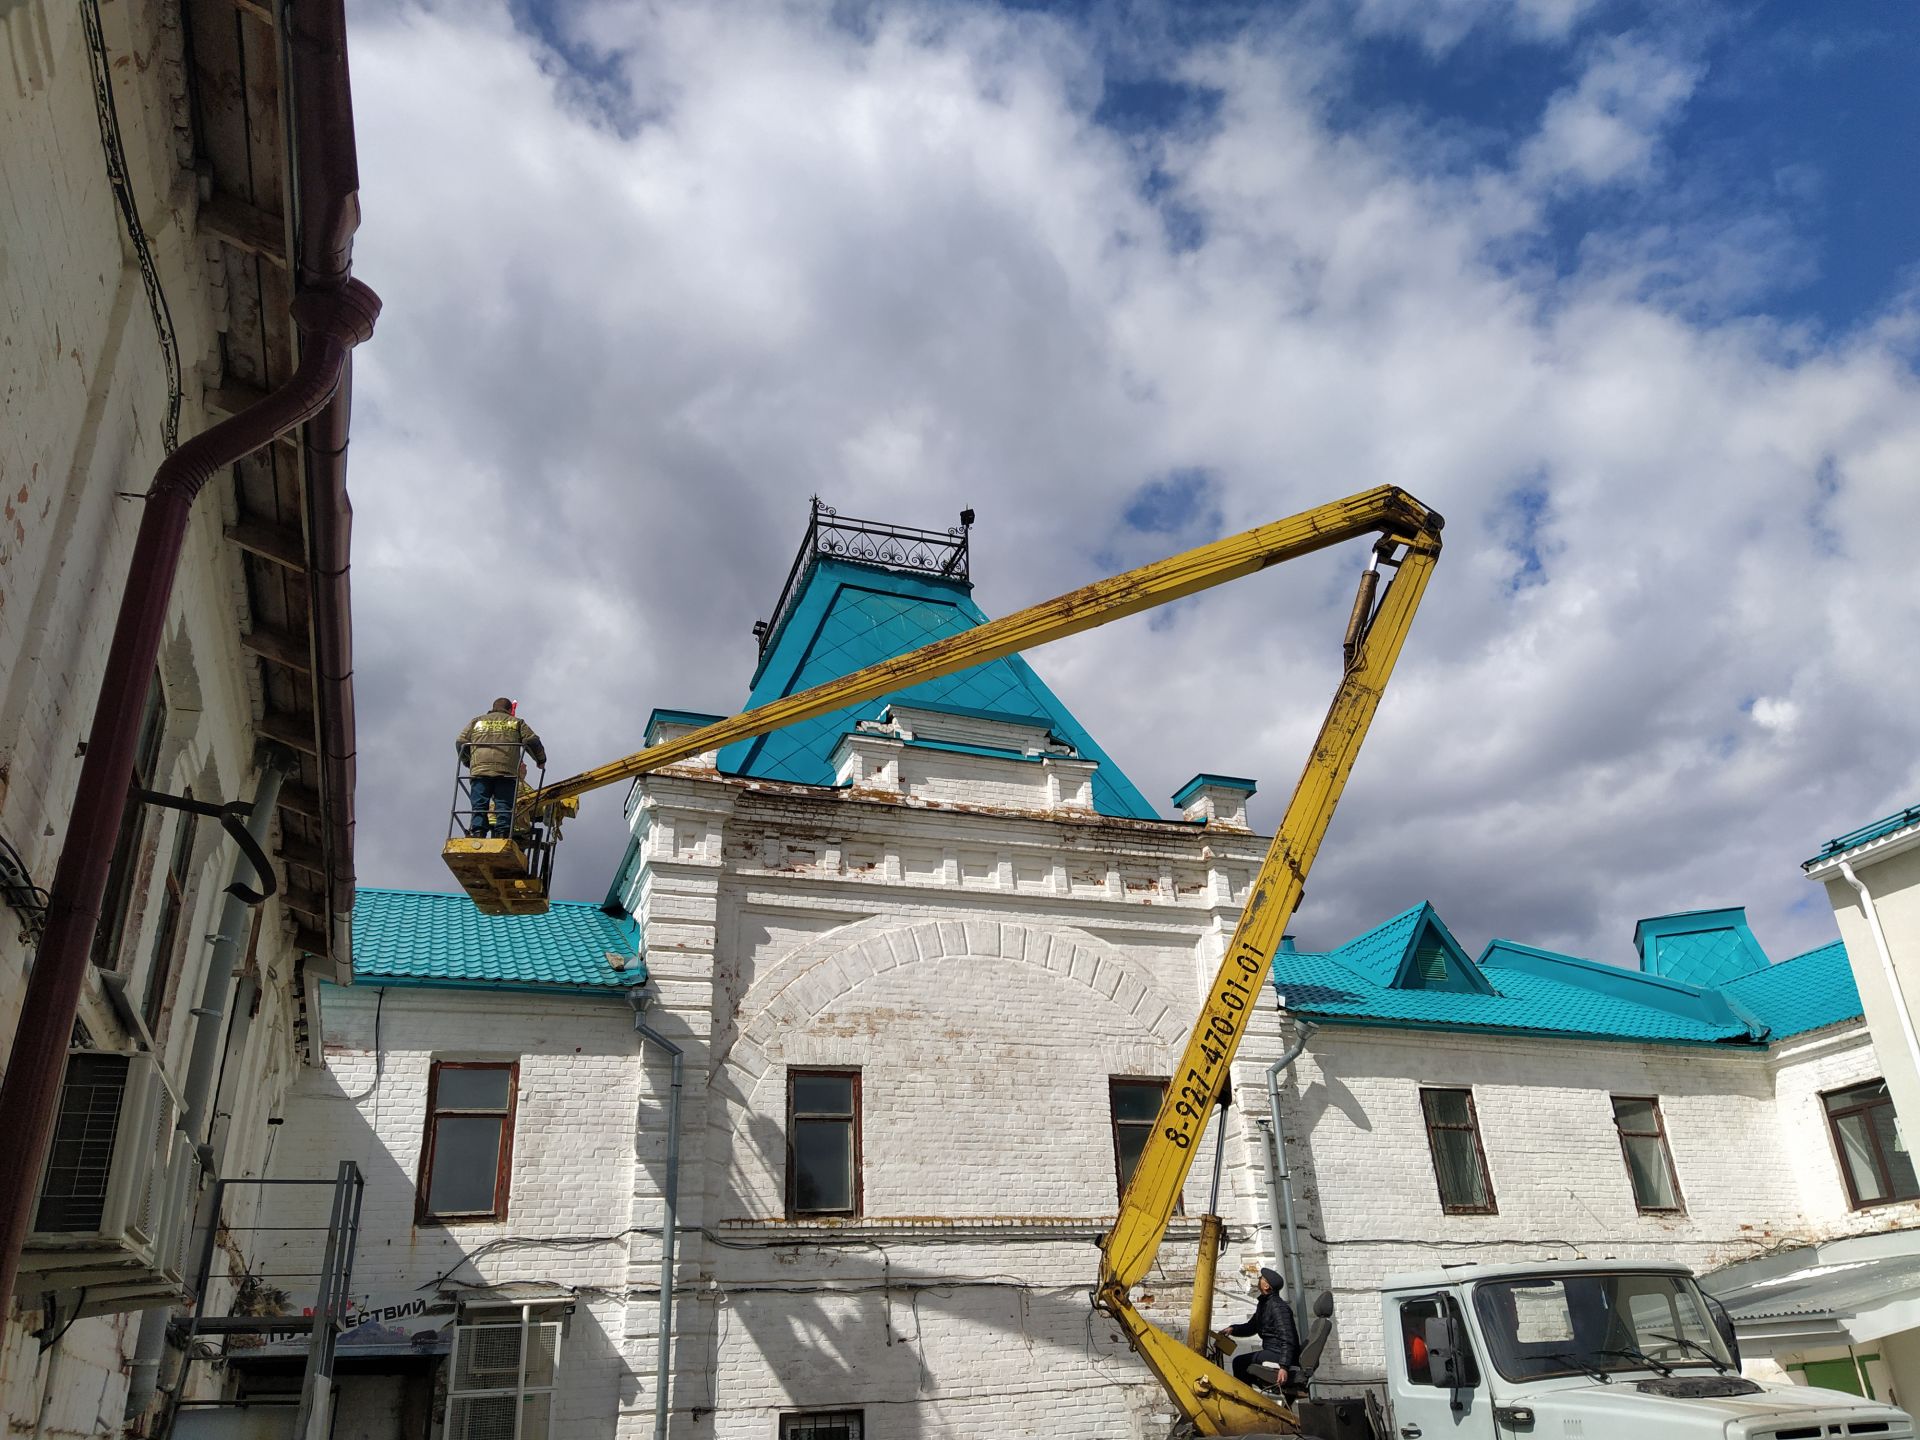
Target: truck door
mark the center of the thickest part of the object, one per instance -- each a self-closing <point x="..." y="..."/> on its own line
<point x="1428" y="1404"/>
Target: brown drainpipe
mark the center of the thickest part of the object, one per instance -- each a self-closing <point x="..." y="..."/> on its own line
<point x="334" y="313"/>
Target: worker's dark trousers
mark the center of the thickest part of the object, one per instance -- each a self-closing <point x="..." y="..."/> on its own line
<point x="1243" y="1363"/>
<point x="492" y="798"/>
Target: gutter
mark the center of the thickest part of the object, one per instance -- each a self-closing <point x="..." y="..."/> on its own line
<point x="326" y="197"/>
<point x="333" y="312"/>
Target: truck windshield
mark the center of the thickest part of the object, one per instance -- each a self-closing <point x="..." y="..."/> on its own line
<point x="1539" y="1326"/>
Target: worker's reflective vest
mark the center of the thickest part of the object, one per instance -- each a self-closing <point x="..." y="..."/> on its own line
<point x="491" y="745"/>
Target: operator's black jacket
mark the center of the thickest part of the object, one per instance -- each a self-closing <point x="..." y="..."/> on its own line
<point x="1272" y="1321"/>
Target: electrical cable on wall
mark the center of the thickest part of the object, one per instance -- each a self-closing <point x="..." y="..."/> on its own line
<point x="120" y="180"/>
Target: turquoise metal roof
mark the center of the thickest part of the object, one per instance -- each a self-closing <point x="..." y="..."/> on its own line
<point x="1375" y="978"/>
<point x="1840" y="844"/>
<point x="1808" y="992"/>
<point x="417" y="937"/>
<point x="851" y="615"/>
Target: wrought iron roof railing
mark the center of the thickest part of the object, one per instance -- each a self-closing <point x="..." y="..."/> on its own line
<point x="867" y="542"/>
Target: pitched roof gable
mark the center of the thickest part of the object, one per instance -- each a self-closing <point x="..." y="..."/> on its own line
<point x="1412" y="951"/>
<point x="851" y="615"/>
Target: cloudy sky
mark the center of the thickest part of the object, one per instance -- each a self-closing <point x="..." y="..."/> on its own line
<point x="1630" y="294"/>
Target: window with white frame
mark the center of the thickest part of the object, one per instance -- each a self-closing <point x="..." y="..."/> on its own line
<point x="501" y="1381"/>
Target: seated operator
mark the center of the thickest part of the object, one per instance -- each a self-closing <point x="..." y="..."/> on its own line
<point x="490" y="748"/>
<point x="1272" y="1321"/>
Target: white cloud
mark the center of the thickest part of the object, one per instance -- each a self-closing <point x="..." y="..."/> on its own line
<point x="631" y="326"/>
<point x="1606" y="127"/>
<point x="1440" y="25"/>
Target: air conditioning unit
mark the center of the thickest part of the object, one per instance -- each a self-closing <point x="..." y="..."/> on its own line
<point x="116" y="1199"/>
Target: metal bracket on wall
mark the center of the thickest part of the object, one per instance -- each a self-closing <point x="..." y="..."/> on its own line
<point x="233" y="819"/>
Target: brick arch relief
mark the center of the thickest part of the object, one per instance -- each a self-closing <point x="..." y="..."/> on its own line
<point x="984" y="1049"/>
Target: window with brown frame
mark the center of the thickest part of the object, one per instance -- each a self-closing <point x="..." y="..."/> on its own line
<point x="1459" y="1164"/>
<point x="167" y="932"/>
<point x="1874" y="1160"/>
<point x="118" y="898"/>
<point x="466" y="1159"/>
<point x="1135" y="1103"/>
<point x="823" y="1143"/>
<point x="1643" y="1145"/>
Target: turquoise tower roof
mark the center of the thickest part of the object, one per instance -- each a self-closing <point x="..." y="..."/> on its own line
<point x="418" y="937"/>
<point x="849" y="615"/>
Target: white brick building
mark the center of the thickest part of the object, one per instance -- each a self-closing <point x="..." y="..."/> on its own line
<point x="149" y="263"/>
<point x="913" y="957"/>
<point x="1722" y="1073"/>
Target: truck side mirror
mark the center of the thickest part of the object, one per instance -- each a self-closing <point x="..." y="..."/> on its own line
<point x="1443" y="1359"/>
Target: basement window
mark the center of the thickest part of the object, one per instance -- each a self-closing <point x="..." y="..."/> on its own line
<point x="824" y="1425"/>
<point x="466" y="1159"/>
<point x="823" y="1143"/>
<point x="503" y="1375"/>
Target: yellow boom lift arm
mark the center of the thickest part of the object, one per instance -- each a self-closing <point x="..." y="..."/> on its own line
<point x="1408" y="541"/>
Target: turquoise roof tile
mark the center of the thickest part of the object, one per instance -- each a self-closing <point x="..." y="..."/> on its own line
<point x="849" y="616"/>
<point x="424" y="938"/>
<point x="1808" y="992"/>
<point x="1540" y="992"/>
<point x="1853" y="839"/>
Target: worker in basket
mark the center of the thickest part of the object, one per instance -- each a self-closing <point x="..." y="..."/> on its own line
<point x="490" y="747"/>
<point x="1272" y="1321"/>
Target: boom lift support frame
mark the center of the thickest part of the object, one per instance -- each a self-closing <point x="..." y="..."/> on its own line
<point x="1211" y="1401"/>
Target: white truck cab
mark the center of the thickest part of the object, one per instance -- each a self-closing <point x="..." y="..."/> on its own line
<point x="1606" y="1350"/>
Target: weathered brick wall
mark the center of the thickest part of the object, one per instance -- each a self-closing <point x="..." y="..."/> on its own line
<point x="1747" y="1159"/>
<point x="1805" y="1068"/>
<point x="570" y="1204"/>
<point x="82" y="392"/>
<point x="986" y="974"/>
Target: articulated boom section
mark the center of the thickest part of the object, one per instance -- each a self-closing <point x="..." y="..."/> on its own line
<point x="1409" y="539"/>
<point x="1213" y="1401"/>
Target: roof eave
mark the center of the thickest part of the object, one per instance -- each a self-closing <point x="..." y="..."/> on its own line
<point x="1827" y="867"/>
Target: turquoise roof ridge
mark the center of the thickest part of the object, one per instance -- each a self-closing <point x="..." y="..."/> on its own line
<point x="850" y="615"/>
<point x="421" y="937"/>
<point x="1377" y="978"/>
